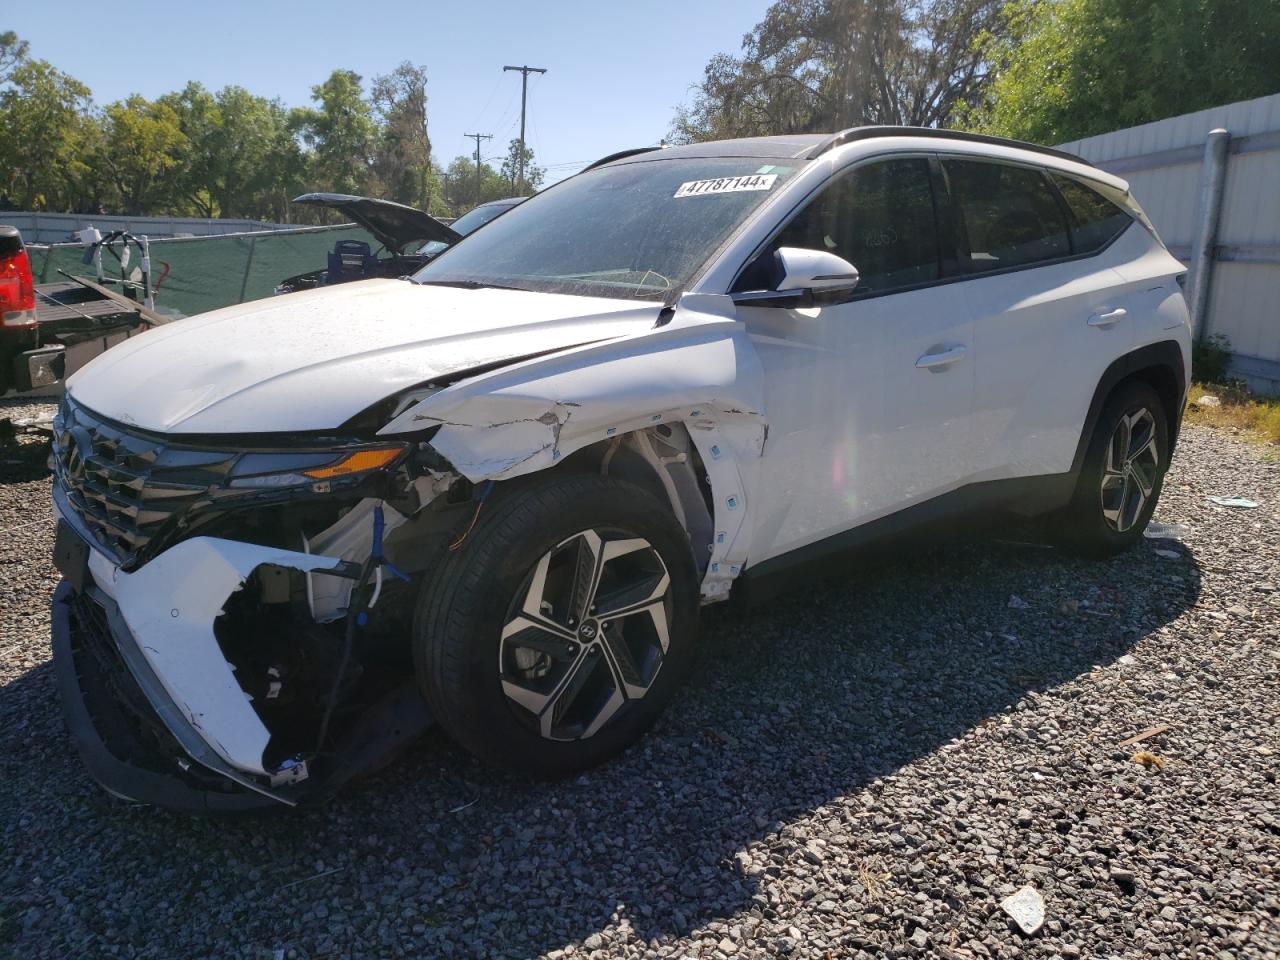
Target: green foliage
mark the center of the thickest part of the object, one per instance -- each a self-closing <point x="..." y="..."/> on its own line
<point x="1210" y="358"/>
<point x="818" y="65"/>
<point x="1068" y="69"/>
<point x="46" y="135"/>
<point x="141" y="148"/>
<point x="533" y="175"/>
<point x="402" y="155"/>
<point x="13" y="53"/>
<point x="341" y="133"/>
<point x="228" y="153"/>
<point x="459" y="184"/>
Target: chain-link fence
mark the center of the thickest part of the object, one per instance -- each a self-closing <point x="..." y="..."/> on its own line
<point x="195" y="274"/>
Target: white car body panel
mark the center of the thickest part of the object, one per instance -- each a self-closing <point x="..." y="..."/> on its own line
<point x="332" y="352"/>
<point x="170" y="605"/>
<point x="856" y="428"/>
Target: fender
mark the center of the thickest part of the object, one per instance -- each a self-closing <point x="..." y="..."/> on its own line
<point x="700" y="369"/>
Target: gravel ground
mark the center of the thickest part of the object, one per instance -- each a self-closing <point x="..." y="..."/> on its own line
<point x="863" y="770"/>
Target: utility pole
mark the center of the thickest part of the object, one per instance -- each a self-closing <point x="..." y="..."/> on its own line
<point x="524" y="97"/>
<point x="478" y="137"/>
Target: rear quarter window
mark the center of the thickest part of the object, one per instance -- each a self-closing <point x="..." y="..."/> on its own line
<point x="1096" y="221"/>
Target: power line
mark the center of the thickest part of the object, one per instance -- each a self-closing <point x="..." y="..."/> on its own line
<point x="524" y="96"/>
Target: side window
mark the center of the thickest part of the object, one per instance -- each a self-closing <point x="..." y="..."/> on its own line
<point x="879" y="217"/>
<point x="1098" y="221"/>
<point x="1008" y="215"/>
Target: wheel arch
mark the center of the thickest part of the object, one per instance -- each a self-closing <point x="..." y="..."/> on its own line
<point x="1161" y="366"/>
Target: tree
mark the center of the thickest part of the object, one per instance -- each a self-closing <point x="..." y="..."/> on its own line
<point x="1073" y="68"/>
<point x="46" y="133"/>
<point x="142" y="148"/>
<point x="241" y="145"/>
<point x="533" y="175"/>
<point x="13" y="54"/>
<point x="341" y="133"/>
<point x="402" y="157"/>
<point x="460" y="184"/>
<point x="817" y="65"/>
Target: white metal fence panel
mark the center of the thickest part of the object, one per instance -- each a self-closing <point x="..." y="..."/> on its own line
<point x="1165" y="164"/>
<point x="59" y="227"/>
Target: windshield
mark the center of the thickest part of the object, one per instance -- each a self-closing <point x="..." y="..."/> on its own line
<point x="636" y="230"/>
<point x="473" y="218"/>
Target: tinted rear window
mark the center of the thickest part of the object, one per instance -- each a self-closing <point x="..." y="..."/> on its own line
<point x="1008" y="215"/>
<point x="1097" y="221"/>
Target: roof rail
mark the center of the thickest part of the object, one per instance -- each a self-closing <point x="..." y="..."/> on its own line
<point x="620" y="155"/>
<point x="871" y="132"/>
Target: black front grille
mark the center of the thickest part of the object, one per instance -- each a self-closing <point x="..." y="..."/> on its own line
<point x="126" y="486"/>
<point x="118" y="704"/>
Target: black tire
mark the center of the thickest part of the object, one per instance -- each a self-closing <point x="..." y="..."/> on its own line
<point x="1084" y="526"/>
<point x="468" y="600"/>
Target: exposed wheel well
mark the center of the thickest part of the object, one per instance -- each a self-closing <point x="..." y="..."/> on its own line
<point x="1168" y="386"/>
<point x="664" y="460"/>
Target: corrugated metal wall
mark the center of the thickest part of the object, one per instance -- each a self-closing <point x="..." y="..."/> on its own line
<point x="1163" y="163"/>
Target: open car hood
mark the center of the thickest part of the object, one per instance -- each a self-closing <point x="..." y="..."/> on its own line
<point x="395" y="225"/>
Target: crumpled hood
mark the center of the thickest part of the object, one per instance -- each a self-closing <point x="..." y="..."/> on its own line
<point x="312" y="360"/>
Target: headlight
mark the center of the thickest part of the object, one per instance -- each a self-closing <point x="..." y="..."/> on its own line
<point x="273" y="470"/>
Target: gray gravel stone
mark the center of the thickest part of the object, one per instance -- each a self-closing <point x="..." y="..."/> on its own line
<point x="861" y="769"/>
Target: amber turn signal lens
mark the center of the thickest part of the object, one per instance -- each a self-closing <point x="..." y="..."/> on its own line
<point x="357" y="462"/>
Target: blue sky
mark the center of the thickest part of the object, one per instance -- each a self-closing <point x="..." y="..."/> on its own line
<point x="616" y="71"/>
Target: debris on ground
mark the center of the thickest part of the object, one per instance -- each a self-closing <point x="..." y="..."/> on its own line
<point x="1144" y="735"/>
<point x="1208" y="400"/>
<point x="1166" y="531"/>
<point x="1241" y="503"/>
<point x="1026" y="907"/>
<point x="1149" y="760"/>
<point x="1169" y="554"/>
<point x="1017" y="603"/>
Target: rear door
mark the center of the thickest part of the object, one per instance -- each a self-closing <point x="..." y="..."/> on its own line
<point x="1049" y="314"/>
<point x="868" y="401"/>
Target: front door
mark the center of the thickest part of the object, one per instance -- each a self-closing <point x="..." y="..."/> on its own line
<point x="868" y="401"/>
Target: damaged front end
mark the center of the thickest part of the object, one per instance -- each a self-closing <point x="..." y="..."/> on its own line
<point x="231" y="630"/>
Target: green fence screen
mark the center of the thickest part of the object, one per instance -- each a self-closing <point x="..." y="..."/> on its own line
<point x="195" y="274"/>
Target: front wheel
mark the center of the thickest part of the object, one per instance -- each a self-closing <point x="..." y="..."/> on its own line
<point x="1122" y="474"/>
<point x="554" y="636"/>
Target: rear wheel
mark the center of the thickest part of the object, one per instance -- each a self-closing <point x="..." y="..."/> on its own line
<point x="1122" y="474"/>
<point x="559" y="630"/>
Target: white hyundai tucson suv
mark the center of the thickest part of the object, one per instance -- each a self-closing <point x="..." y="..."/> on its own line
<point x="494" y="494"/>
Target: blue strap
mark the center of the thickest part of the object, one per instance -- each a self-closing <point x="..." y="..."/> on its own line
<point x="375" y="554"/>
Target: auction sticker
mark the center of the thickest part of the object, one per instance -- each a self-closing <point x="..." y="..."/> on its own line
<point x="752" y="181"/>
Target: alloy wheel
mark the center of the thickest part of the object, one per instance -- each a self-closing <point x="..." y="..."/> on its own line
<point x="1131" y="469"/>
<point x="586" y="633"/>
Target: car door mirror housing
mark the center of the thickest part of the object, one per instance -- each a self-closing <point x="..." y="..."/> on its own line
<point x="805" y="278"/>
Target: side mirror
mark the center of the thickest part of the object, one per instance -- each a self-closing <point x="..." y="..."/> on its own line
<point x="806" y="278"/>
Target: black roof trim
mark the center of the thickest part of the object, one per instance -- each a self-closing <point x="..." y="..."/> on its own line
<point x="620" y="155"/>
<point x="869" y="133"/>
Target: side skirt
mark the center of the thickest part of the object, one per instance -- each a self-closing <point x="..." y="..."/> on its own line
<point x="990" y="506"/>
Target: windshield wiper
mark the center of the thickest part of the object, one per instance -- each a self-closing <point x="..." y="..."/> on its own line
<point x="468" y="285"/>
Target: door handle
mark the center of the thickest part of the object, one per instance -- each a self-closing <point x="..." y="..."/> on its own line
<point x="1109" y="318"/>
<point x="944" y="358"/>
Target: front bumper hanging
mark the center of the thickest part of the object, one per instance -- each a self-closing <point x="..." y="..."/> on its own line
<point x="155" y="708"/>
<point x="122" y="740"/>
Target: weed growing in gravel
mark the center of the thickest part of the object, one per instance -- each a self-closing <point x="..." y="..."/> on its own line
<point x="1256" y="417"/>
